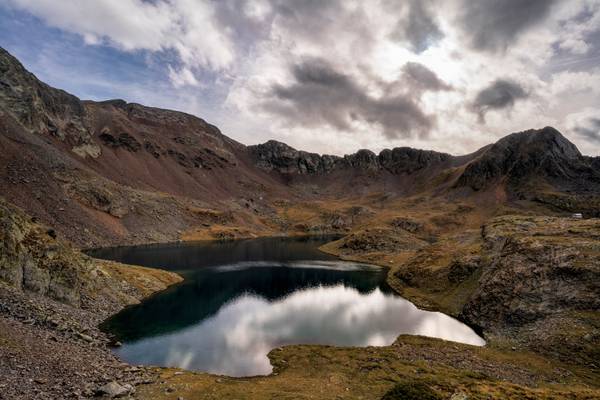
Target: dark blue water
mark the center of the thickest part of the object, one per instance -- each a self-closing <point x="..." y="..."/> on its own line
<point x="241" y="299"/>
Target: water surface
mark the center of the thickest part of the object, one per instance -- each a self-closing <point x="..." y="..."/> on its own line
<point x="241" y="299"/>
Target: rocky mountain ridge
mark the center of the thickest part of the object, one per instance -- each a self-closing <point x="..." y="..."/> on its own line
<point x="112" y="172"/>
<point x="543" y="153"/>
<point x="279" y="157"/>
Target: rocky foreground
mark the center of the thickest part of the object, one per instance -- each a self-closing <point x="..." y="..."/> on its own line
<point x="52" y="299"/>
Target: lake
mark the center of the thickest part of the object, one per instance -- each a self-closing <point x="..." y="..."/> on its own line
<point x="241" y="299"/>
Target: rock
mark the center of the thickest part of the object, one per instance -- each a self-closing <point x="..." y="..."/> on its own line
<point x="462" y="269"/>
<point x="279" y="157"/>
<point x="85" y="337"/>
<point x="380" y="240"/>
<point x="114" y="390"/>
<point x="124" y="140"/>
<point x="459" y="396"/>
<point x="406" y="224"/>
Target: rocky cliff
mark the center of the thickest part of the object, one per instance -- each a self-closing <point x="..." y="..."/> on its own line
<point x="540" y="283"/>
<point x="281" y="158"/>
<point x="32" y="259"/>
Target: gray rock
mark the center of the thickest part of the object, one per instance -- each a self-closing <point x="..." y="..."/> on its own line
<point x="114" y="390"/>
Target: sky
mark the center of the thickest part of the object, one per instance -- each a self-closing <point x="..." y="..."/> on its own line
<point x="329" y="76"/>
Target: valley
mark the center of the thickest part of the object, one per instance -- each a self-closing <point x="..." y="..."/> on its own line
<point x="487" y="238"/>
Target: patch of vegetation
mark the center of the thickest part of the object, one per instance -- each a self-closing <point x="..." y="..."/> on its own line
<point x="411" y="390"/>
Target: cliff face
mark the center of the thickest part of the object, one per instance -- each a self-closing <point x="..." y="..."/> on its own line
<point x="33" y="260"/>
<point x="539" y="276"/>
<point x="535" y="267"/>
<point x="41" y="108"/>
<point x="281" y="158"/>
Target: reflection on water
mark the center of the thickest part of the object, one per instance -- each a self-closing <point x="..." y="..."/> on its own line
<point x="228" y="314"/>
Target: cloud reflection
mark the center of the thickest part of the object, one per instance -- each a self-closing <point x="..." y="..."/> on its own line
<point x="237" y="339"/>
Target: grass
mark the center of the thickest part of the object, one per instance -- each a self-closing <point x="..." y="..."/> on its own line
<point x="414" y="365"/>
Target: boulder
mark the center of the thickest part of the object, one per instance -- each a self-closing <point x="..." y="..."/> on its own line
<point x="114" y="390"/>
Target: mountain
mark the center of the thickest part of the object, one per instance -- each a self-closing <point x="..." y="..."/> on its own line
<point x="534" y="154"/>
<point x="115" y="172"/>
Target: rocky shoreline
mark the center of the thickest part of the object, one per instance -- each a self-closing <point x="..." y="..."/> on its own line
<point x="53" y="351"/>
<point x="52" y="300"/>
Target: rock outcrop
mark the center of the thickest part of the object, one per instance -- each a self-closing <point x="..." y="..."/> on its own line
<point x="535" y="267"/>
<point x="281" y="158"/>
<point x="42" y="108"/>
<point x="539" y="276"/>
<point x="33" y="259"/>
<point x="277" y="156"/>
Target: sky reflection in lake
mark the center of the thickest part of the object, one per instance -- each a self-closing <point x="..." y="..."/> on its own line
<point x="226" y="317"/>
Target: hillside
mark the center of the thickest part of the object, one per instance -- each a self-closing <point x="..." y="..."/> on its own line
<point x="112" y="172"/>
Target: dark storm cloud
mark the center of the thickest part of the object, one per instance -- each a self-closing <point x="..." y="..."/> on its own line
<point x="591" y="130"/>
<point x="419" y="77"/>
<point x="493" y="25"/>
<point x="320" y="95"/>
<point x="502" y="93"/>
<point x="420" y="28"/>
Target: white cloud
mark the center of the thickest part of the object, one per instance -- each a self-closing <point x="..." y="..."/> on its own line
<point x="256" y="48"/>
<point x="182" y="77"/>
<point x="186" y="26"/>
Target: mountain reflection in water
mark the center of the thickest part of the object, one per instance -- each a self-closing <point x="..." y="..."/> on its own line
<point x="226" y="316"/>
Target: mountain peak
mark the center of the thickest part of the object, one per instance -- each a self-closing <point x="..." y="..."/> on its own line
<point x="535" y="154"/>
<point x="547" y="139"/>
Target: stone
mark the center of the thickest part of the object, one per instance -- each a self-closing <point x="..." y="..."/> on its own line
<point x="85" y="337"/>
<point x="114" y="390"/>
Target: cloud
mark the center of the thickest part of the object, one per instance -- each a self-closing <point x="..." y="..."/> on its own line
<point x="187" y="27"/>
<point x="500" y="94"/>
<point x="419" y="28"/>
<point x="590" y="129"/>
<point x="419" y="77"/>
<point x="388" y="72"/>
<point x="492" y="25"/>
<point x="321" y="95"/>
<point x="182" y="77"/>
